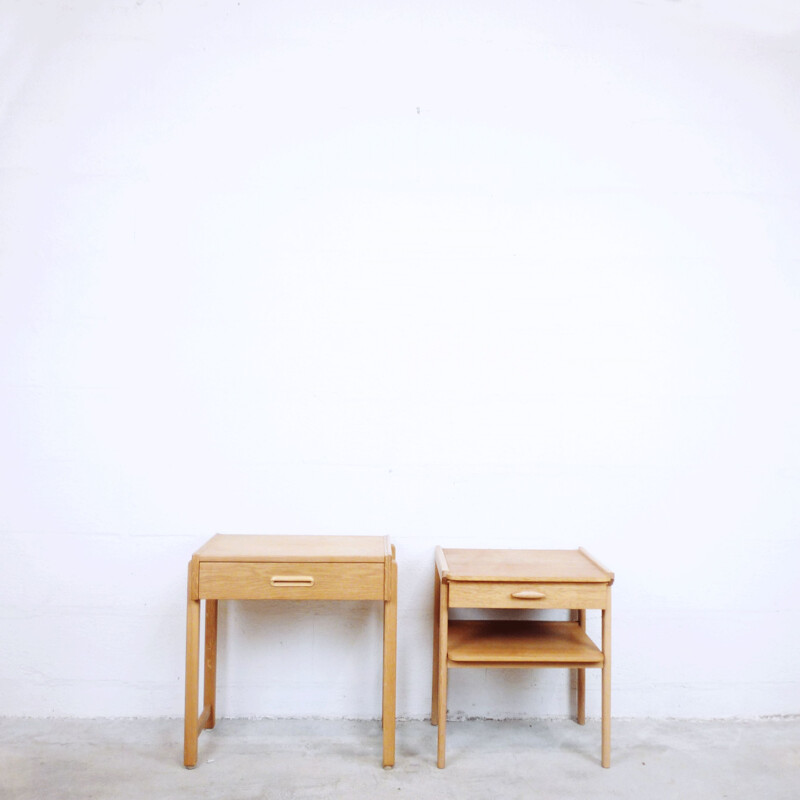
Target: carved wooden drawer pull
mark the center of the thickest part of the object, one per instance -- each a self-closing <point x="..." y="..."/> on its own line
<point x="529" y="595"/>
<point x="291" y="580"/>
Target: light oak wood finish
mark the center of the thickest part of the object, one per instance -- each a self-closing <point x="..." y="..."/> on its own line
<point x="521" y="579"/>
<point x="482" y="594"/>
<point x="437" y="583"/>
<point x="531" y="566"/>
<point x="326" y="549"/>
<point x="581" y="675"/>
<point x="389" y="696"/>
<point x="606" y="701"/>
<point x="252" y="580"/>
<point x="210" y="666"/>
<point x="191" y="724"/>
<point x="237" y="567"/>
<point x="441" y="678"/>
<point x="525" y="641"/>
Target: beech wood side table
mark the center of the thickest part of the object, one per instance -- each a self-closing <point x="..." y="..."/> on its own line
<point x="242" y="567"/>
<point x="564" y="579"/>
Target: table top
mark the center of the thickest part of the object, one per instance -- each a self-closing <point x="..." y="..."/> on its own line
<point x="247" y="547"/>
<point x="547" y="566"/>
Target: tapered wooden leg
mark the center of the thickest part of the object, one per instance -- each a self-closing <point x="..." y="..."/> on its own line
<point x="441" y="689"/>
<point x="606" y="711"/>
<point x="582" y="676"/>
<point x="435" y="687"/>
<point x="390" y="671"/>
<point x="210" y="674"/>
<point x="190" y="722"/>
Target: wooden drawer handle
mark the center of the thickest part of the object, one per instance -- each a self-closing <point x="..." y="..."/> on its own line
<point x="528" y="595"/>
<point x="291" y="580"/>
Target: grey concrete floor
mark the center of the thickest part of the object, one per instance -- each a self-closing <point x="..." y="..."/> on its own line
<point x="275" y="759"/>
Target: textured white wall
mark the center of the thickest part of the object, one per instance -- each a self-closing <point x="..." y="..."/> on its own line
<point x="514" y="274"/>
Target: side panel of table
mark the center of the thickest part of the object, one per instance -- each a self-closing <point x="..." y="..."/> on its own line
<point x="389" y="692"/>
<point x="192" y="724"/>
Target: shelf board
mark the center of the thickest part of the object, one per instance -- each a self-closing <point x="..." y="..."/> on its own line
<point x="520" y="642"/>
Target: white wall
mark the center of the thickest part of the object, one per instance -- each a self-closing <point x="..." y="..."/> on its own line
<point x="475" y="274"/>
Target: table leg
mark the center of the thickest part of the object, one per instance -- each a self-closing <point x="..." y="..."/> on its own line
<point x="582" y="676"/>
<point x="435" y="687"/>
<point x="210" y="673"/>
<point x="190" y="726"/>
<point x="441" y="690"/>
<point x="390" y="671"/>
<point x="606" y="711"/>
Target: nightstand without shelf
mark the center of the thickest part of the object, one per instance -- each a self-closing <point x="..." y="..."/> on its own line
<point x="242" y="567"/>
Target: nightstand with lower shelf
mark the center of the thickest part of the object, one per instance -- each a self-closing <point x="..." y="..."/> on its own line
<point x="520" y="579"/>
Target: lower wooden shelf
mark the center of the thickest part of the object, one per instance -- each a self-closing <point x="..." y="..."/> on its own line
<point x="523" y="643"/>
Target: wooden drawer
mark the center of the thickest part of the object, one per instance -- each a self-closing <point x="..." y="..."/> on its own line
<point x="484" y="594"/>
<point x="253" y="580"/>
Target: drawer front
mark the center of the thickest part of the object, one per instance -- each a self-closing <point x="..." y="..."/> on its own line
<point x="479" y="594"/>
<point x="251" y="580"/>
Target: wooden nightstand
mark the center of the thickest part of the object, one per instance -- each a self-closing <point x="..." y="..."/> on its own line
<point x="567" y="579"/>
<point x="232" y="567"/>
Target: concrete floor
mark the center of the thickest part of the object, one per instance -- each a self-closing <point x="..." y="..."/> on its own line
<point x="274" y="759"/>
